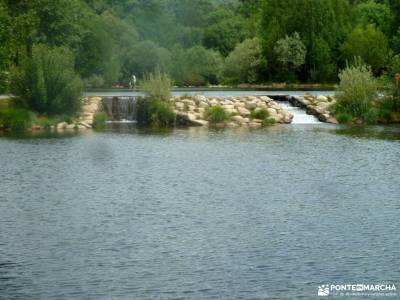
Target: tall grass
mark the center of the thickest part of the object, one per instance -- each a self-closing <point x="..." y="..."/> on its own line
<point x="16" y="119"/>
<point x="356" y="91"/>
<point x="216" y="114"/>
<point x="157" y="86"/>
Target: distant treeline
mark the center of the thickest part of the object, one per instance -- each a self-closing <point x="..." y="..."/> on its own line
<point x="201" y="42"/>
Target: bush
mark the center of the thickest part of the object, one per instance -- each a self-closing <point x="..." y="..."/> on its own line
<point x="16" y="118"/>
<point x="261" y="114"/>
<point x="157" y="86"/>
<point x="196" y="66"/>
<point x="47" y="83"/>
<point x="99" y="120"/>
<point x="94" y="81"/>
<point x="161" y="113"/>
<point x="344" y="118"/>
<point x="356" y="91"/>
<point x="154" y="112"/>
<point x="216" y="114"/>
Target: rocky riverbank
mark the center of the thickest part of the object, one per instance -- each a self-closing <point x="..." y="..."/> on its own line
<point x="192" y="110"/>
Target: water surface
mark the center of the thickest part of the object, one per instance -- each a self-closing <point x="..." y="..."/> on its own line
<point x="198" y="214"/>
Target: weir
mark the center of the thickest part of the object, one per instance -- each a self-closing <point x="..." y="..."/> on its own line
<point x="120" y="109"/>
<point x="300" y="115"/>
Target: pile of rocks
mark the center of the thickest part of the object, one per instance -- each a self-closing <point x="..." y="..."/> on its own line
<point x="192" y="110"/>
<point x="316" y="105"/>
<point x="90" y="106"/>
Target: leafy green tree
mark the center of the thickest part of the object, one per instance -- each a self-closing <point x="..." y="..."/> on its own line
<point x="195" y="66"/>
<point x="245" y="63"/>
<point x="47" y="83"/>
<point x="145" y="57"/>
<point x="370" y="44"/>
<point x="290" y="52"/>
<point x="373" y="12"/>
<point x="224" y="32"/>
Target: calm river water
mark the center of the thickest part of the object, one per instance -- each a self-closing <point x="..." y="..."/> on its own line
<point x="198" y="214"/>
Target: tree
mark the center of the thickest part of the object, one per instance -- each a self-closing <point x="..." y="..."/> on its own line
<point x="372" y="12"/>
<point x="47" y="83"/>
<point x="290" y="52"/>
<point x="370" y="44"/>
<point x="224" y="32"/>
<point x="145" y="57"/>
<point x="195" y="66"/>
<point x="245" y="63"/>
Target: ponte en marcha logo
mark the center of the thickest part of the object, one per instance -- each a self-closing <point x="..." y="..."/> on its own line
<point x="359" y="289"/>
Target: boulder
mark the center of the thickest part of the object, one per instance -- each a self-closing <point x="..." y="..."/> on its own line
<point x="255" y="125"/>
<point x="180" y="105"/>
<point x="189" y="102"/>
<point x="203" y="104"/>
<point x="322" y="98"/>
<point x="243" y="111"/>
<point x="238" y="119"/>
<point x="62" y="125"/>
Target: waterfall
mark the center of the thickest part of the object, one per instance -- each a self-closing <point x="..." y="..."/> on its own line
<point x="120" y="109"/>
<point x="299" y="115"/>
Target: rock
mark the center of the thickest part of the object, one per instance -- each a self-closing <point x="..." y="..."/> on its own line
<point x="180" y="105"/>
<point x="287" y="118"/>
<point x="238" y="119"/>
<point x="203" y="104"/>
<point x="189" y="102"/>
<point x="36" y="127"/>
<point x="243" y="111"/>
<point x="200" y="98"/>
<point x="232" y="125"/>
<point x="321" y="98"/>
<point x="80" y="127"/>
<point x="251" y="105"/>
<point x="255" y="125"/>
<point x="70" y="126"/>
<point x="332" y="120"/>
<point x="191" y="116"/>
<point x="265" y="99"/>
<point x="84" y="124"/>
<point x="191" y="107"/>
<point x="272" y="112"/>
<point x="239" y="104"/>
<point x="62" y="125"/>
<point x="214" y="102"/>
<point x="200" y="122"/>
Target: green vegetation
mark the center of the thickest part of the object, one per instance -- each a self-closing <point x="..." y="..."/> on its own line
<point x="46" y="82"/>
<point x="245" y="62"/>
<point x="16" y="119"/>
<point x="263" y="115"/>
<point x="357" y="91"/>
<point x="155" y="109"/>
<point x="157" y="86"/>
<point x="216" y="114"/>
<point x="202" y="42"/>
<point x="99" y="120"/>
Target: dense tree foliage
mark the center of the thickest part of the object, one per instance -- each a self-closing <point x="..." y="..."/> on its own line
<point x="200" y="42"/>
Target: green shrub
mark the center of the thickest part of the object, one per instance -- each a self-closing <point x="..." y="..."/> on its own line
<point x="356" y="91"/>
<point x="154" y="112"/>
<point x="216" y="114"/>
<point x="260" y="114"/>
<point x="47" y="122"/>
<point x="157" y="86"/>
<point x="16" y="119"/>
<point x="371" y="116"/>
<point x="47" y="83"/>
<point x="99" y="120"/>
<point x="268" y="122"/>
<point x="344" y="118"/>
<point x="161" y="113"/>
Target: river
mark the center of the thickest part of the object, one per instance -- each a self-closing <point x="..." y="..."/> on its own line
<point x="198" y="214"/>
